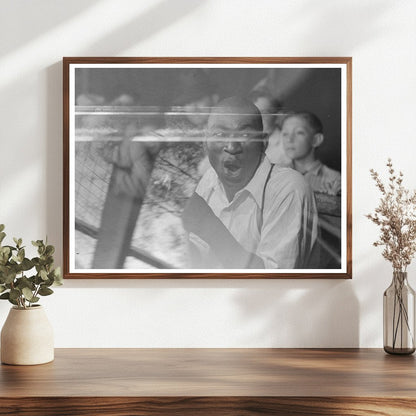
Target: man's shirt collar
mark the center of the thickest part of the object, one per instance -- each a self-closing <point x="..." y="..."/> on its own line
<point x="255" y="187"/>
<point x="315" y="168"/>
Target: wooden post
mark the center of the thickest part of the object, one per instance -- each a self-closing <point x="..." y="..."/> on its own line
<point x="126" y="192"/>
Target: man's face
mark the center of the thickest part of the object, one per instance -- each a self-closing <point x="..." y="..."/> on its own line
<point x="298" y="137"/>
<point x="234" y="145"/>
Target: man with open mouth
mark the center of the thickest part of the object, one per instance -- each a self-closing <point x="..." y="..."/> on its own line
<point x="247" y="212"/>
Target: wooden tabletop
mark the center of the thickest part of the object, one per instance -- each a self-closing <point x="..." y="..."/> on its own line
<point x="237" y="377"/>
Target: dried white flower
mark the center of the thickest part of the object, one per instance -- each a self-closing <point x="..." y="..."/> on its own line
<point x="396" y="217"/>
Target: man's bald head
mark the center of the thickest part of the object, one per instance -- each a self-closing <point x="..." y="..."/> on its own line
<point x="235" y="142"/>
<point x="236" y="111"/>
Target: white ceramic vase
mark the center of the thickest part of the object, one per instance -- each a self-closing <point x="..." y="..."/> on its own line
<point x="27" y="337"/>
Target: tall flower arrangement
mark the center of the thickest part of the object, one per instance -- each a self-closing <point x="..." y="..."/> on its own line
<point x="396" y="217"/>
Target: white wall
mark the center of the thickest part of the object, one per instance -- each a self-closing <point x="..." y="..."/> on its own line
<point x="380" y="35"/>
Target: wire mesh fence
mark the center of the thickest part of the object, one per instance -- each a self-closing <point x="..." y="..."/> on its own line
<point x="110" y="151"/>
<point x="92" y="178"/>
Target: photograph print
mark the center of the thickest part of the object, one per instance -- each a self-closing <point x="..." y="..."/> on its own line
<point x="207" y="168"/>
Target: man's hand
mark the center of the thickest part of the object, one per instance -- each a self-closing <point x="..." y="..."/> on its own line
<point x="199" y="219"/>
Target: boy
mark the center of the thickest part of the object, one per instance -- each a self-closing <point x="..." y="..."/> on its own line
<point x="302" y="134"/>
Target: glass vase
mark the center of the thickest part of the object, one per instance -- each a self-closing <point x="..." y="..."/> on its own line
<point x="399" y="316"/>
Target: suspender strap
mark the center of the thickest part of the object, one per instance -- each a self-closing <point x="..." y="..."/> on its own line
<point x="263" y="197"/>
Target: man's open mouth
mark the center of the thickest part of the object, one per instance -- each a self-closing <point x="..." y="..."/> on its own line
<point x="232" y="168"/>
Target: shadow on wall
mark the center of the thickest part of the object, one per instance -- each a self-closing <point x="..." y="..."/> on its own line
<point x="337" y="18"/>
<point x="42" y="16"/>
<point x="39" y="17"/>
<point x="300" y="313"/>
<point x="54" y="145"/>
<point x="4" y="311"/>
<point x="160" y="16"/>
<point x="375" y="277"/>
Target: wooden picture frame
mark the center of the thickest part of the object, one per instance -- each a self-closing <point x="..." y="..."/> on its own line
<point x="124" y="193"/>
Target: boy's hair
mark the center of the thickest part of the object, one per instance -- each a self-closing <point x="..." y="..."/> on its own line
<point x="312" y="119"/>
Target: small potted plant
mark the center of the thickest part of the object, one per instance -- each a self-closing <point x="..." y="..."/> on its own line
<point x="27" y="336"/>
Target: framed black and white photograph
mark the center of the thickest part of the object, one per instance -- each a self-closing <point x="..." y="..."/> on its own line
<point x="207" y="167"/>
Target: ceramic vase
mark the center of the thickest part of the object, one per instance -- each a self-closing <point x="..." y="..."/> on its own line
<point x="27" y="337"/>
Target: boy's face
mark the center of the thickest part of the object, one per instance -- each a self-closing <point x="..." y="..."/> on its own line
<point x="234" y="145"/>
<point x="298" y="137"/>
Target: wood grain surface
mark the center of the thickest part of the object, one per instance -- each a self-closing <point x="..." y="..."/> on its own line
<point x="207" y="406"/>
<point x="212" y="381"/>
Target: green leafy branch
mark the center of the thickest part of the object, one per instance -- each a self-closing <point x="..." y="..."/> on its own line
<point x="16" y="285"/>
